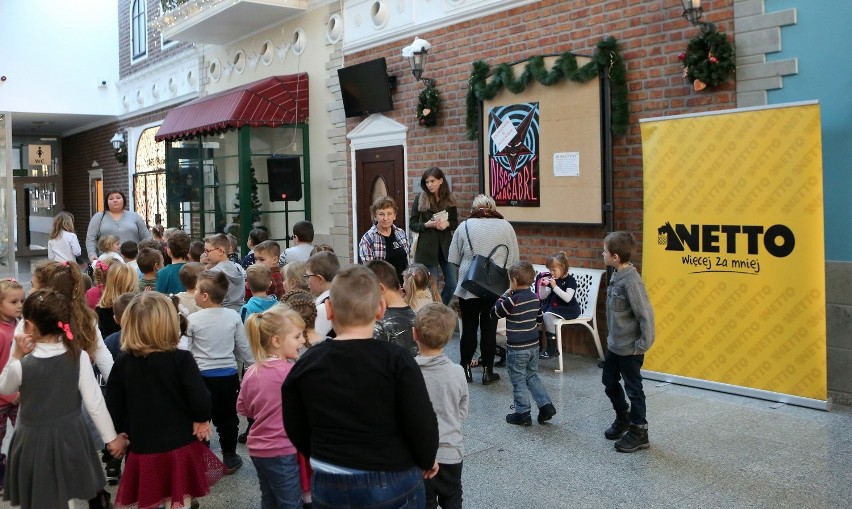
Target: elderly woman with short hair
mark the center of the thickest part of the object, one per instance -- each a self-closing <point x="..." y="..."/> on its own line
<point x="484" y="229"/>
<point x="385" y="241"/>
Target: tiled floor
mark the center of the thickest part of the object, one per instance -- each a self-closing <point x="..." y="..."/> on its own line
<point x="708" y="450"/>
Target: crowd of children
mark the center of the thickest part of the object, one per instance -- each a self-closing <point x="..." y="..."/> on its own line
<point x="188" y="336"/>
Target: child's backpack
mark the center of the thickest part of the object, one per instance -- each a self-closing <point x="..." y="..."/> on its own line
<point x="541" y="289"/>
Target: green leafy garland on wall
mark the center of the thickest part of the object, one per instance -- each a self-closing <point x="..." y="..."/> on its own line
<point x="710" y="60"/>
<point x="428" y="105"/>
<point x="607" y="58"/>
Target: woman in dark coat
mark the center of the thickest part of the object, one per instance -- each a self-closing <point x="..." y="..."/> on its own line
<point x="434" y="218"/>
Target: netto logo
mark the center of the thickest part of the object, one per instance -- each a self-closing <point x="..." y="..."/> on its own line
<point x="778" y="240"/>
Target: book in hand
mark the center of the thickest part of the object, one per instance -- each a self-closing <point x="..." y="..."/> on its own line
<point x="441" y="216"/>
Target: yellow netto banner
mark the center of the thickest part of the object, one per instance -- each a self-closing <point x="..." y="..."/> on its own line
<point x="733" y="254"/>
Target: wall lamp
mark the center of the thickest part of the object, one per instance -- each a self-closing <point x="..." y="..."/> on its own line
<point x="120" y="147"/>
<point x="693" y="11"/>
<point x="416" y="55"/>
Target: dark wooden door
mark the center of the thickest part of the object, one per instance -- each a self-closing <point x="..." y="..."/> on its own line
<point x="378" y="172"/>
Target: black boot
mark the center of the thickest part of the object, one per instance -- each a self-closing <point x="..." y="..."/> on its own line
<point x="489" y="376"/>
<point x="635" y="439"/>
<point x="101" y="500"/>
<point x="619" y="426"/>
<point x="501" y="355"/>
<point x="467" y="373"/>
<point x="549" y="351"/>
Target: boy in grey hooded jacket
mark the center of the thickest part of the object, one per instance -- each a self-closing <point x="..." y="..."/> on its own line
<point x="630" y="320"/>
<point x="447" y="387"/>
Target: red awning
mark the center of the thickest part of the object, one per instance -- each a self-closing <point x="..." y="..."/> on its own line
<point x="270" y="102"/>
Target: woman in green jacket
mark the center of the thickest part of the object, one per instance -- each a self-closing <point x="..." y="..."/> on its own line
<point x="434" y="218"/>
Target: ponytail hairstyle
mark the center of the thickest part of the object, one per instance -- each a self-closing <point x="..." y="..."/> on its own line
<point x="560" y="260"/>
<point x="417" y="277"/>
<point x="66" y="279"/>
<point x="100" y="271"/>
<point x="303" y="303"/>
<point x="50" y="312"/>
<point x="120" y="278"/>
<point x="260" y="327"/>
<point x="63" y="221"/>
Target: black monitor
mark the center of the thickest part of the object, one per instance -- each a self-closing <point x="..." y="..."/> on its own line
<point x="365" y="88"/>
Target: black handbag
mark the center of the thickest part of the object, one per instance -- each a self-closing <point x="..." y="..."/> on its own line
<point x="484" y="277"/>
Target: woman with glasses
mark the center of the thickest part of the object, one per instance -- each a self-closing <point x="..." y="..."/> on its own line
<point x="385" y="240"/>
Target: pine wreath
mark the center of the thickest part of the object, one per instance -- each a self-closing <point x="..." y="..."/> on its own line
<point x="710" y="60"/>
<point x="428" y="106"/>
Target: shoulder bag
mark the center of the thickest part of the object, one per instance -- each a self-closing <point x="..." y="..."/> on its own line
<point x="484" y="277"/>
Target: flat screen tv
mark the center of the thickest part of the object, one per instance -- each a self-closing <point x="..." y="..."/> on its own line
<point x="365" y="88"/>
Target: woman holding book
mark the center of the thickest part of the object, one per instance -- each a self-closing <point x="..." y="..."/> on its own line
<point x="434" y="218"/>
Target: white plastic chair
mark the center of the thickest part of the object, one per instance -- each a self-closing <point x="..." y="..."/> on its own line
<point x="588" y="286"/>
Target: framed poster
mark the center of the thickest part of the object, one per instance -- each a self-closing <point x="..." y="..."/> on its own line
<point x="543" y="150"/>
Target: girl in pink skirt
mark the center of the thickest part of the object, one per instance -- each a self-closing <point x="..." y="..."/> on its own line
<point x="156" y="395"/>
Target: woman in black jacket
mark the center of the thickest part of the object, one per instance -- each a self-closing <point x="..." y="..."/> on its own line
<point x="434" y="217"/>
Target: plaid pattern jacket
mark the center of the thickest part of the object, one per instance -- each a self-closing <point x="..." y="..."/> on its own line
<point x="372" y="247"/>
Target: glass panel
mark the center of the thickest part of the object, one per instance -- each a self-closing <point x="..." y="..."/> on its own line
<point x="380" y="189"/>
<point x="149" y="183"/>
<point x="277" y="217"/>
<point x="42" y="206"/>
<point x="202" y="181"/>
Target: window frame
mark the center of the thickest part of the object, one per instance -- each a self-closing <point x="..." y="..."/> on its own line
<point x="138" y="31"/>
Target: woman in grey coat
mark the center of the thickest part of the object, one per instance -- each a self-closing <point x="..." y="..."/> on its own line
<point x="114" y="220"/>
<point x="487" y="229"/>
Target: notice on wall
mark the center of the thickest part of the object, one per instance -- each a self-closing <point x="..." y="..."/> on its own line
<point x="566" y="164"/>
<point x="504" y="134"/>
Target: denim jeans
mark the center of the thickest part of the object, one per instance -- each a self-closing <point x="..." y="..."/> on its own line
<point x="376" y="490"/>
<point x="522" y="365"/>
<point x="280" y="487"/>
<point x="627" y="367"/>
<point x="450" y="276"/>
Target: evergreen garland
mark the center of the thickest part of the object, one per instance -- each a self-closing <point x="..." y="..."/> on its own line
<point x="607" y="58"/>
<point x="710" y="59"/>
<point x="428" y="106"/>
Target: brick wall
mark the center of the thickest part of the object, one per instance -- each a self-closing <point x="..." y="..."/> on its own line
<point x="78" y="153"/>
<point x="651" y="33"/>
<point x="156" y="53"/>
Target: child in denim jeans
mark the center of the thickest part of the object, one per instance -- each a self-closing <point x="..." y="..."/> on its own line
<point x="520" y="307"/>
<point x="630" y="320"/>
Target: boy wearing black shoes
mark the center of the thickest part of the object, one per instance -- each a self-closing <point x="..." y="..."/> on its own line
<point x="520" y="307"/>
<point x="630" y="320"/>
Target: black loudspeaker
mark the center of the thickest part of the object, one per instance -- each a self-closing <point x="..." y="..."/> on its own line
<point x="285" y="182"/>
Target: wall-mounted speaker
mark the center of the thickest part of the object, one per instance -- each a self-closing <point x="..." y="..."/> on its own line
<point x="285" y="178"/>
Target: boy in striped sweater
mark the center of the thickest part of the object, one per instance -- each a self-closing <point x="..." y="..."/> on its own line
<point x="520" y="307"/>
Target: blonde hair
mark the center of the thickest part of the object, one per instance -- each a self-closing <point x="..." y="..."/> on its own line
<point x="260" y="327"/>
<point x="435" y="324"/>
<point x="120" y="278"/>
<point x="355" y="297"/>
<point x="416" y="278"/>
<point x="149" y="324"/>
<point x="483" y="201"/>
<point x="7" y="285"/>
<point x="294" y="276"/>
<point x="106" y="242"/>
<point x="63" y="222"/>
<point x="258" y="277"/>
<point x="559" y="259"/>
